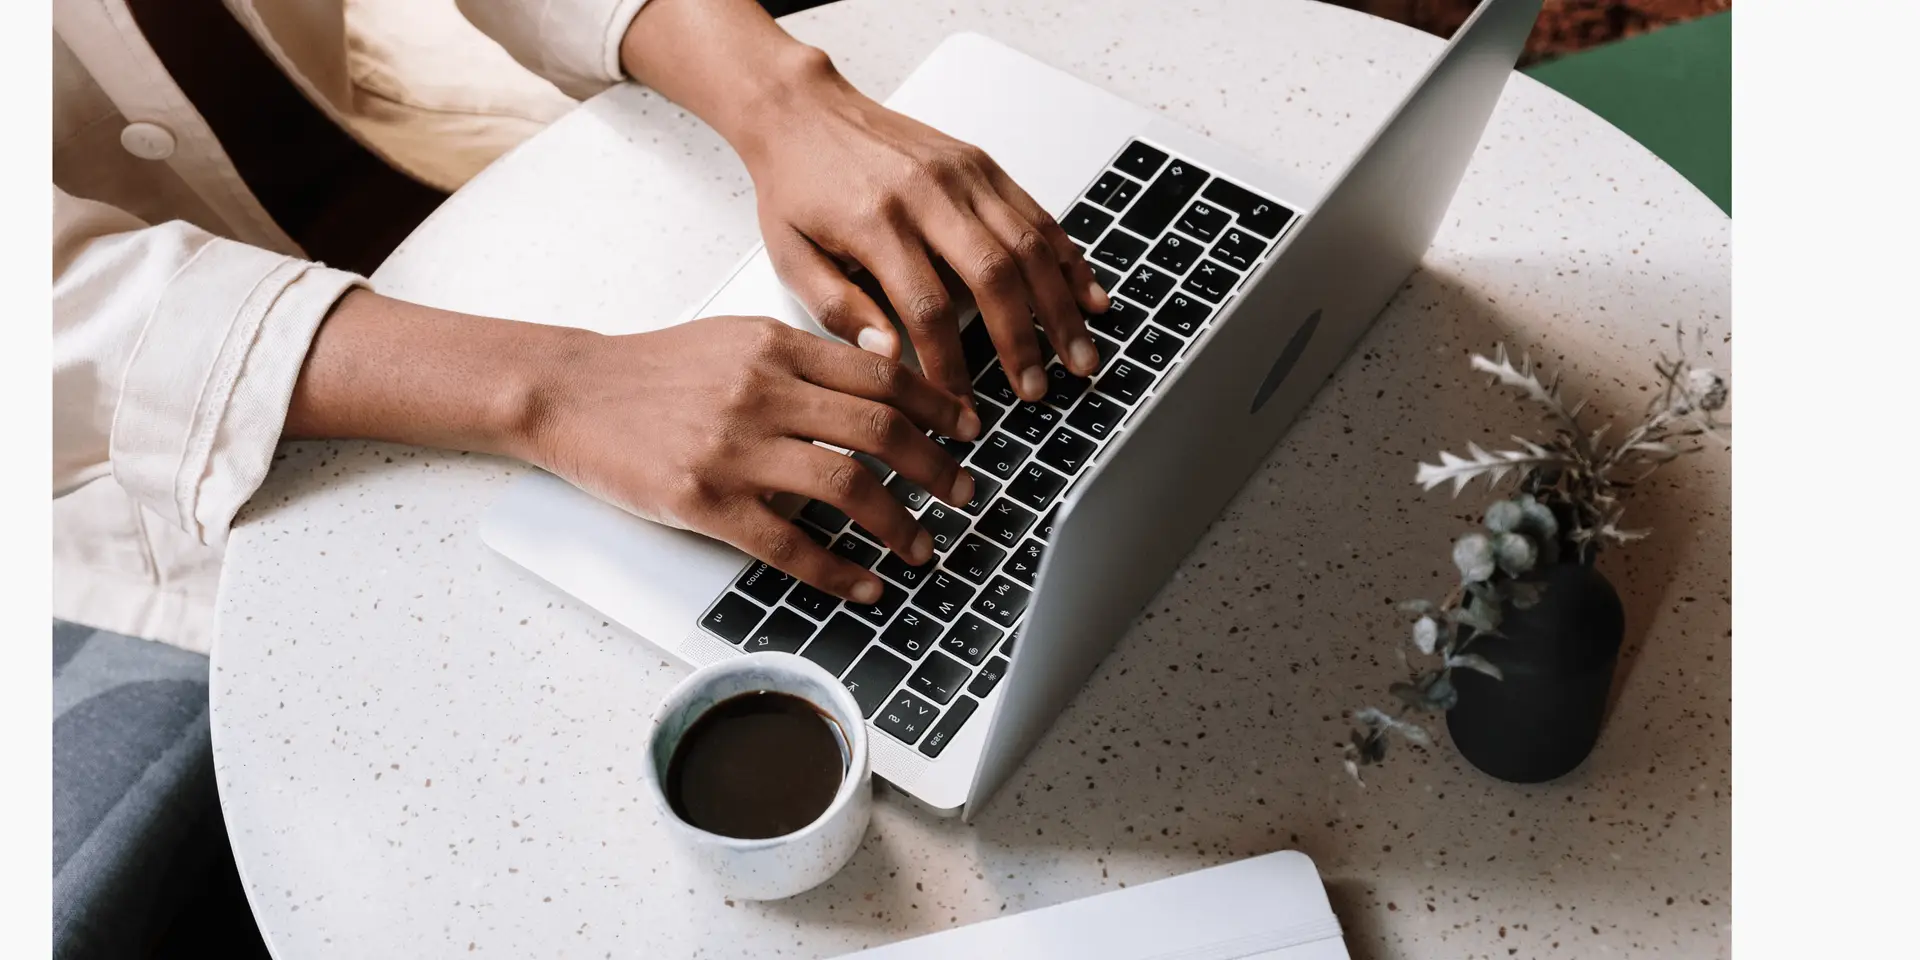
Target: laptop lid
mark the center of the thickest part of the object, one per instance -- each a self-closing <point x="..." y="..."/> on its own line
<point x="1127" y="527"/>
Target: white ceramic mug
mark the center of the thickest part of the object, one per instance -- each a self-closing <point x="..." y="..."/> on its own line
<point x="780" y="866"/>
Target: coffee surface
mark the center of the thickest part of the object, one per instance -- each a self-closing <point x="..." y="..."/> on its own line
<point x="755" y="766"/>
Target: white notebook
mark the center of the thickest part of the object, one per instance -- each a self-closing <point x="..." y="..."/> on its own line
<point x="1271" y="907"/>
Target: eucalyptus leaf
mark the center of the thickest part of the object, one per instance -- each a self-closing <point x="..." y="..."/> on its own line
<point x="1474" y="661"/>
<point x="1515" y="553"/>
<point x="1524" y="595"/>
<point x="1426" y="634"/>
<point x="1473" y="555"/>
<point x="1504" y="516"/>
<point x="1440" y="695"/>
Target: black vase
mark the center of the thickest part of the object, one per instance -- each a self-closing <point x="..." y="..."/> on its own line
<point x="1557" y="658"/>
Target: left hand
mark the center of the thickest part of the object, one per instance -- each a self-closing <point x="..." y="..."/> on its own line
<point x="843" y="180"/>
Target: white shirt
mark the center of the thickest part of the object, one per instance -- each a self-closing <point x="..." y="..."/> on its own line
<point x="182" y="312"/>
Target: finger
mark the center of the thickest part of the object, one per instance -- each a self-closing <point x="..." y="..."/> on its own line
<point x="900" y="263"/>
<point x="842" y="369"/>
<point x="755" y="528"/>
<point x="1054" y="305"/>
<point x="884" y="432"/>
<point x="842" y="481"/>
<point x="1079" y="274"/>
<point x="994" y="276"/>
<point x="835" y="302"/>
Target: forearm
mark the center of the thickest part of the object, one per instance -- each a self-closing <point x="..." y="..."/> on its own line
<point x="728" y="63"/>
<point x="385" y="369"/>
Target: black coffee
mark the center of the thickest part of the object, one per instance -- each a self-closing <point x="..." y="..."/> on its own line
<point x="755" y="766"/>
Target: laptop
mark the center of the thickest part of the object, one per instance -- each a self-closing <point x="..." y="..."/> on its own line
<point x="1237" y="291"/>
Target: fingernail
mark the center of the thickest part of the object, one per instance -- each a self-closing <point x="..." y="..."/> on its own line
<point x="873" y="341"/>
<point x="962" y="488"/>
<point x="1085" y="356"/>
<point x="866" y="591"/>
<point x="1097" y="295"/>
<point x="969" y="426"/>
<point x="1033" y="383"/>
<point x="922" y="549"/>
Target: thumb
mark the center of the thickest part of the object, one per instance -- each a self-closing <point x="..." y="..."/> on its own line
<point x="834" y="301"/>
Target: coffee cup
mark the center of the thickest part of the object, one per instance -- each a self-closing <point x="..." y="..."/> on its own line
<point x="737" y="762"/>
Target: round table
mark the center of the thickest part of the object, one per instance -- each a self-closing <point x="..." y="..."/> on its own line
<point x="423" y="752"/>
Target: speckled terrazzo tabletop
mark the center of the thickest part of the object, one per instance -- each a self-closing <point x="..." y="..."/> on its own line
<point x="421" y="752"/>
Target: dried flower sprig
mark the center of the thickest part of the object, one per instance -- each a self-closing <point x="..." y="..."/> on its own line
<point x="1576" y="476"/>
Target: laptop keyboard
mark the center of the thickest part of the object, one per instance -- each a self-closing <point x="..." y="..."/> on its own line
<point x="1170" y="242"/>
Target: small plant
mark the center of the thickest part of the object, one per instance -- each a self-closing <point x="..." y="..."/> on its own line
<point x="1570" y="491"/>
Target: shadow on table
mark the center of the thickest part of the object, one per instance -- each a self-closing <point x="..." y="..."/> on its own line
<point x="1213" y="732"/>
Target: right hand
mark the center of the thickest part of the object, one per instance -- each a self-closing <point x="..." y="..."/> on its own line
<point x="699" y="425"/>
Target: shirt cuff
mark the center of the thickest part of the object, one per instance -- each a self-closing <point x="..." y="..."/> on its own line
<point x="229" y="333"/>
<point x="574" y="44"/>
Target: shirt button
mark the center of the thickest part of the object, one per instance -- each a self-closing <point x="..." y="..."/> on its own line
<point x="148" y="141"/>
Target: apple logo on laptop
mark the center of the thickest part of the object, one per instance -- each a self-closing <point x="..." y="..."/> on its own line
<point x="1284" y="365"/>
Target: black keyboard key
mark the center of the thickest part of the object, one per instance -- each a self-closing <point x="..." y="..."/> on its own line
<point x="732" y="618"/>
<point x="877" y="612"/>
<point x="1001" y="455"/>
<point x="976" y="346"/>
<point x="988" y="677"/>
<point x="838" y="643"/>
<point x="899" y="571"/>
<point x="824" y="515"/>
<point x="1003" y="602"/>
<point x="1147" y="285"/>
<point x="1107" y="279"/>
<point x="1119" y="250"/>
<point x="1239" y="249"/>
<point x="907" y="717"/>
<point x="860" y="552"/>
<point x="815" y="534"/>
<point x="1012" y="638"/>
<point x="1004" y="522"/>
<point x="975" y="559"/>
<point x="1165" y="198"/>
<point x="879" y="470"/>
<point x="872" y="680"/>
<point x="943" y="595"/>
<point x="912" y="634"/>
<point x="1203" y="220"/>
<point x="1045" y="529"/>
<point x="1140" y="160"/>
<point x="1029" y="422"/>
<point x="1182" y="315"/>
<point x="993" y="385"/>
<point x="1212" y="281"/>
<point x="1120" y="320"/>
<point x="784" y="632"/>
<point x="1154" y="347"/>
<point x="1065" y="451"/>
<point x="989" y="412"/>
<point x="970" y="639"/>
<point x="957" y="449"/>
<point x="1255" y="212"/>
<point x="1174" y="254"/>
<point x="1109" y="349"/>
<point x="763" y="583"/>
<point x="1096" y="416"/>
<point x="945" y="523"/>
<point x="1024" y="564"/>
<point x="908" y="493"/>
<point x="943" y="731"/>
<point x="1036" y="486"/>
<point x="1085" y="222"/>
<point x="984" y="487"/>
<point x="1125" y="381"/>
<point x="1063" y="387"/>
<point x="1114" y="191"/>
<point x="812" y="601"/>
<point x="939" y="677"/>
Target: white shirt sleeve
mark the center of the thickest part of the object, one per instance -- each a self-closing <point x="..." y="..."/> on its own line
<point x="574" y="44"/>
<point x="175" y="354"/>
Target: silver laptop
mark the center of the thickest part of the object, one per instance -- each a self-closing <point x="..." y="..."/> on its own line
<point x="1236" y="293"/>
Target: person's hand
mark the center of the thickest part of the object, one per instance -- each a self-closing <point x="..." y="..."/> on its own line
<point x="844" y="181"/>
<point x="700" y="424"/>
